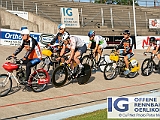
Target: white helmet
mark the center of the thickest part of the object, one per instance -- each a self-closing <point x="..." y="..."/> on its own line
<point x="25" y="32"/>
<point x="61" y="26"/>
<point x="65" y="36"/>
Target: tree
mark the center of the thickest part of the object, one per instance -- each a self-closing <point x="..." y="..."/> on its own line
<point x="118" y="2"/>
<point x="126" y="2"/>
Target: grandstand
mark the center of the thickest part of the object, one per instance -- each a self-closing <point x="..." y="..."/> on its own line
<point x="90" y="16"/>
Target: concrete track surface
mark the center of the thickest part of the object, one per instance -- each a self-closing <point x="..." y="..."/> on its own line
<point x="20" y="104"/>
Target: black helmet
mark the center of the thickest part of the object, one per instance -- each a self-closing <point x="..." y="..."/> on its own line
<point x="126" y="32"/>
<point x="152" y="39"/>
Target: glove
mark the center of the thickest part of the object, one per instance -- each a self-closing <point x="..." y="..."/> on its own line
<point x="21" y="61"/>
<point x="9" y="57"/>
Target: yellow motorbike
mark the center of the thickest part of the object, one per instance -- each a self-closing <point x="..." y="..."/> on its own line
<point x="117" y="66"/>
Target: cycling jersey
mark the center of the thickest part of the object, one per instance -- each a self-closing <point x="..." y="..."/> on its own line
<point x="99" y="40"/>
<point x="76" y="42"/>
<point x="55" y="40"/>
<point x="155" y="45"/>
<point x="32" y="47"/>
<point x="126" y="44"/>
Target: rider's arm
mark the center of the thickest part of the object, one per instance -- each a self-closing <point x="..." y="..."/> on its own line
<point x="72" y="54"/>
<point x="89" y="45"/>
<point x="62" y="50"/>
<point x="32" y="46"/>
<point x="19" y="49"/>
<point x="73" y="47"/>
<point x="120" y="45"/>
<point x="157" y="47"/>
<point x="149" y="47"/>
<point x="97" y="42"/>
<point x="53" y="41"/>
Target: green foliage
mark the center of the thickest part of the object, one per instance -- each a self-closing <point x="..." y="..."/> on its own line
<point x="118" y="2"/>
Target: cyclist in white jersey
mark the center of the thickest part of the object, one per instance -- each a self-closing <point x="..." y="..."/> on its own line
<point x="97" y="42"/>
<point x="77" y="47"/>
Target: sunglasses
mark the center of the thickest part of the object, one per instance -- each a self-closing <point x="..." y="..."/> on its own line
<point x="22" y="34"/>
<point x="60" y="28"/>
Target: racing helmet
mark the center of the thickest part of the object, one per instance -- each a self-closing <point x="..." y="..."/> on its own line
<point x="65" y="36"/>
<point x="23" y="27"/>
<point x="152" y="39"/>
<point x="126" y="32"/>
<point x="25" y="32"/>
<point x="60" y="26"/>
<point x="91" y="33"/>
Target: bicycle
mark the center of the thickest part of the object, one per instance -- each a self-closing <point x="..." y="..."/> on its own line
<point x="150" y="65"/>
<point x="38" y="80"/>
<point x="117" y="66"/>
<point x="91" y="60"/>
<point x="65" y="70"/>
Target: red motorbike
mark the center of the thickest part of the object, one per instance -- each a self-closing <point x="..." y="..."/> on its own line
<point x="38" y="80"/>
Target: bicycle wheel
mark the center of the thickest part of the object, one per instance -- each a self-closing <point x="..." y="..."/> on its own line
<point x="109" y="71"/>
<point x="147" y="67"/>
<point x="86" y="59"/>
<point x="45" y="63"/>
<point x="36" y="87"/>
<point x="5" y="84"/>
<point x="83" y="79"/>
<point x="59" y="76"/>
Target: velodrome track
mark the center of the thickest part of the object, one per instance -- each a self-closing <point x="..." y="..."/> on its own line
<point x="27" y="104"/>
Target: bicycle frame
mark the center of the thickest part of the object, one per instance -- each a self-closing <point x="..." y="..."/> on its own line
<point x="93" y="58"/>
<point x="151" y="57"/>
<point x="10" y="74"/>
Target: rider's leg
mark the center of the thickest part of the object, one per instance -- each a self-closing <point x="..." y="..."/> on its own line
<point x="127" y="64"/>
<point x="30" y="64"/>
<point x="126" y="61"/>
<point x="99" y="50"/>
<point x="76" y="55"/>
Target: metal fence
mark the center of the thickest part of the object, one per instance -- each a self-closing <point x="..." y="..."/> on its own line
<point x="84" y="22"/>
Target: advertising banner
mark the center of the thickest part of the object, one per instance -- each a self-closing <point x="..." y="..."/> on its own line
<point x="142" y="42"/>
<point x="133" y="107"/>
<point x="154" y="23"/>
<point x="70" y="17"/>
<point x="21" y="14"/>
<point x="13" y="37"/>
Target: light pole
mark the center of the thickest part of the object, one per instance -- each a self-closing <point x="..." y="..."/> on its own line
<point x="135" y="32"/>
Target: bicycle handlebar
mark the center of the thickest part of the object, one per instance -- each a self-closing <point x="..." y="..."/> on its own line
<point x="15" y="60"/>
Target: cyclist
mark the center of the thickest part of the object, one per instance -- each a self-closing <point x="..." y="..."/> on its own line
<point x="97" y="43"/>
<point x="78" y="47"/>
<point x="33" y="55"/>
<point x="127" y="45"/>
<point x="156" y="44"/>
<point x="62" y="30"/>
<point x="63" y="48"/>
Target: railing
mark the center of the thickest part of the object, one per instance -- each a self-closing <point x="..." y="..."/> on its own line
<point x="84" y="22"/>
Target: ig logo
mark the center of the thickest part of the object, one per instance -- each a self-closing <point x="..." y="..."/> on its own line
<point x="67" y="11"/>
<point x="115" y="104"/>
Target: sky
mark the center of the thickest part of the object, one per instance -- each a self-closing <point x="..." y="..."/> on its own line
<point x="140" y="2"/>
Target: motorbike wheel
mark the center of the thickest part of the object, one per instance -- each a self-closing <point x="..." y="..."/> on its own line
<point x="34" y="81"/>
<point x="110" y="72"/>
<point x="132" y="74"/>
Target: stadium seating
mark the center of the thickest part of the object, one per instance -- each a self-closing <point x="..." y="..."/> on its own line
<point x="91" y="15"/>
